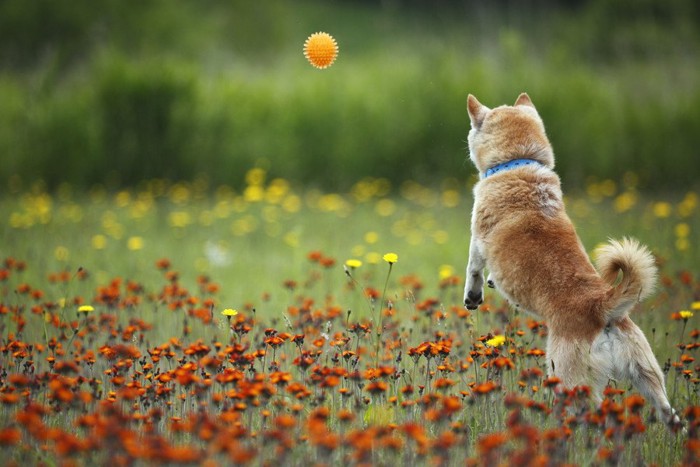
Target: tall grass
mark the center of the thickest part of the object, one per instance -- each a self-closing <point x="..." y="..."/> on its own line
<point x="204" y="92"/>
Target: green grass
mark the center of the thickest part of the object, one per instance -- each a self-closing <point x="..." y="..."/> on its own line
<point x="271" y="227"/>
<point x="251" y="242"/>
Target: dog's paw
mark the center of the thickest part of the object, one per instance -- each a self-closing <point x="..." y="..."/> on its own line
<point x="473" y="300"/>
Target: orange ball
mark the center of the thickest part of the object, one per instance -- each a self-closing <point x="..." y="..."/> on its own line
<point x="320" y="49"/>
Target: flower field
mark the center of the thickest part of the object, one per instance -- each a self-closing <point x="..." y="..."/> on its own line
<point x="180" y="323"/>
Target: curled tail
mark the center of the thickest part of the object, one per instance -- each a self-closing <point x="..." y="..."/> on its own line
<point x="638" y="268"/>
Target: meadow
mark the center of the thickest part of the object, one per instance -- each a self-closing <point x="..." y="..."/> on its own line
<point x="113" y="93"/>
<point x="265" y="323"/>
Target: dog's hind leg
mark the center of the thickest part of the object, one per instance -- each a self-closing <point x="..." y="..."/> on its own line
<point x="473" y="289"/>
<point x="635" y="359"/>
<point x="567" y="359"/>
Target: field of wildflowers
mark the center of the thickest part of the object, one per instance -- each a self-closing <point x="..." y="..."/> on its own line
<point x="184" y="323"/>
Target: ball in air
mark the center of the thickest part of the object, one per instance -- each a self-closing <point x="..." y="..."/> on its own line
<point x="321" y="50"/>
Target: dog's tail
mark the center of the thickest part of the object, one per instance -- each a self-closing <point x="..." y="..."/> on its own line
<point x="638" y="269"/>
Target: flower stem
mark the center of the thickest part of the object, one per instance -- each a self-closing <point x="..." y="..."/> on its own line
<point x="380" y="324"/>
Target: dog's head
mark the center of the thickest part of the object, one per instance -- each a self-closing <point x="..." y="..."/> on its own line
<point x="505" y="133"/>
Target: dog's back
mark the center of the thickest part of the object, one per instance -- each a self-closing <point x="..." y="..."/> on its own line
<point x="533" y="253"/>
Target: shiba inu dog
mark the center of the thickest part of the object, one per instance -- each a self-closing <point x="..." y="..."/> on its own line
<point x="523" y="236"/>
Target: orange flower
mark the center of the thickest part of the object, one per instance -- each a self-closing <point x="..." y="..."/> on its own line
<point x="377" y="387"/>
<point x="442" y="383"/>
<point x="163" y="264"/>
<point x="687" y="359"/>
<point x="285" y="421"/>
<point x="298" y="339"/>
<point x="501" y="362"/>
<point x="538" y="406"/>
<point x="692" y="413"/>
<point x="66" y="367"/>
<point x="314" y="256"/>
<point x="18" y="380"/>
<point x="431" y="349"/>
<point x="484" y="388"/>
<point x="536" y="352"/>
<point x="416" y="432"/>
<point x="274" y="341"/>
<point x="451" y="405"/>
<point x="181" y="454"/>
<point x="551" y="382"/>
<point x="608" y="455"/>
<point x="531" y="373"/>
<point x="634" y="425"/>
<point x="488" y="443"/>
<point x="345" y="415"/>
<point x="280" y="378"/>
<point x="610" y="391"/>
<point x="10" y="436"/>
<point x="9" y="398"/>
<point x="445" y="440"/>
<point x="393" y="443"/>
<point x="372" y="293"/>
<point x="325" y="440"/>
<point x="299" y="390"/>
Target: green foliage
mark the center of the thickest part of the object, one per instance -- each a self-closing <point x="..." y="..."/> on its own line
<point x="145" y="113"/>
<point x="124" y="92"/>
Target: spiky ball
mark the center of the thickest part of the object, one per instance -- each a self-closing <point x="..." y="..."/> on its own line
<point x="321" y="50"/>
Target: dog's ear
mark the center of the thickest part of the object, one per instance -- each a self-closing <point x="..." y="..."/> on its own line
<point x="477" y="111"/>
<point x="524" y="99"/>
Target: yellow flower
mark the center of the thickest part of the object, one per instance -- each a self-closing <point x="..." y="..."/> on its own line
<point x="496" y="341"/>
<point x="179" y="219"/>
<point x="353" y="263"/>
<point x="134" y="243"/>
<point x="625" y="201"/>
<point x="390" y="258"/>
<point x="371" y="237"/>
<point x="682" y="244"/>
<point x="695" y="305"/>
<point x="61" y="253"/>
<point x="662" y="209"/>
<point x="385" y="207"/>
<point x="255" y="176"/>
<point x="685" y="314"/>
<point x="85" y="309"/>
<point x="682" y="230"/>
<point x="446" y="271"/>
<point x="99" y="242"/>
<point x="229" y="312"/>
<point x="372" y="257"/>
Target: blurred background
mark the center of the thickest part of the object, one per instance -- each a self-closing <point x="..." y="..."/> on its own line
<point x="115" y="92"/>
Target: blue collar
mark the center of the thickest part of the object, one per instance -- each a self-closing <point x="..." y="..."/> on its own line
<point x="514" y="164"/>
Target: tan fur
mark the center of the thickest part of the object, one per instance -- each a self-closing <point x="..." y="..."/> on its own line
<point x="638" y="273"/>
<point x="523" y="236"/>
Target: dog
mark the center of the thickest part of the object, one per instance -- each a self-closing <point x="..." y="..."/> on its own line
<point x="521" y="233"/>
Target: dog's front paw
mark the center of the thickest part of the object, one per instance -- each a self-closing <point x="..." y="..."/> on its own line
<point x="472" y="300"/>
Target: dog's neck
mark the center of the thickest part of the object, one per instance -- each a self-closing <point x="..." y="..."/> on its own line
<point x="506" y="166"/>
